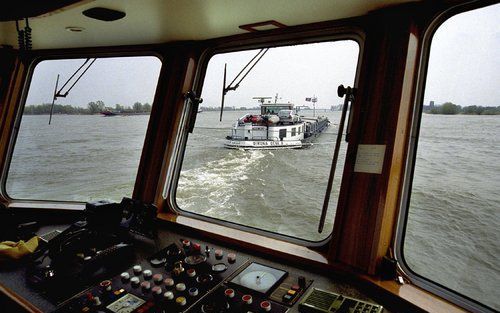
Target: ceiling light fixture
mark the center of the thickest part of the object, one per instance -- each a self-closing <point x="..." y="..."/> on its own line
<point x="261" y="26"/>
<point x="104" y="14"/>
<point x="75" y="29"/>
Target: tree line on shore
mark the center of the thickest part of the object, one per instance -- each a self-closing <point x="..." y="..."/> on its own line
<point x="92" y="108"/>
<point x="449" y="108"/>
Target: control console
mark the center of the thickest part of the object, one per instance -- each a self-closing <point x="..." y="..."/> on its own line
<point x="192" y="277"/>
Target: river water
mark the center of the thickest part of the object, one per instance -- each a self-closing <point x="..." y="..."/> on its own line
<point x="452" y="231"/>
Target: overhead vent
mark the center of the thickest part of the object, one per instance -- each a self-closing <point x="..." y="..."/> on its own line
<point x="104" y="14"/>
<point x="261" y="26"/>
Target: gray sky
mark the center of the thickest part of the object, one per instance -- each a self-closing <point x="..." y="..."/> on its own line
<point x="123" y="80"/>
<point x="464" y="68"/>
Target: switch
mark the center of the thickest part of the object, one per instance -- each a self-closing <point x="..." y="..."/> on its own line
<point x="231" y="257"/>
<point x="137" y="269"/>
<point x="157" y="278"/>
<point x="302" y="282"/>
<point x="147" y="274"/>
<point x="125" y="276"/>
<point x="247" y="299"/>
<point x="169" y="282"/>
<point x="265" y="306"/>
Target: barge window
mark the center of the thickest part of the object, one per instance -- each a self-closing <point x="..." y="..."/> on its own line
<point x="92" y="147"/>
<point x="453" y="219"/>
<point x="268" y="186"/>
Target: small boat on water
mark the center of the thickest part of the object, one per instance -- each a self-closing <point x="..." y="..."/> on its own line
<point x="278" y="126"/>
<point x="108" y="113"/>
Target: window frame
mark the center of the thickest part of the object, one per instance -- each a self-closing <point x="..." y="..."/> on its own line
<point x="404" y="204"/>
<point x="168" y="193"/>
<point x="21" y="105"/>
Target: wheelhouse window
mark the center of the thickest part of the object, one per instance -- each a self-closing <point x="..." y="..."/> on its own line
<point x="86" y="144"/>
<point x="254" y="168"/>
<point x="453" y="218"/>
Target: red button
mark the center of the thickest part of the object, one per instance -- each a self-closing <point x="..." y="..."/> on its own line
<point x="196" y="246"/>
<point x="247" y="299"/>
<point x="229" y="293"/>
<point x="265" y="305"/>
<point x="295" y="287"/>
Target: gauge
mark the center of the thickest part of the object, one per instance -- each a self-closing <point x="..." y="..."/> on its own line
<point x="195" y="259"/>
<point x="258" y="277"/>
<point x="219" y="267"/>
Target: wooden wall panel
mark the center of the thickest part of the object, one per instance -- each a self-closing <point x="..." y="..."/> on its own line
<point x="387" y="72"/>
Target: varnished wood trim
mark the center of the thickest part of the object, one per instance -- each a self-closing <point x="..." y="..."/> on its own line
<point x="245" y="239"/>
<point x="9" y="105"/>
<point x="23" y="304"/>
<point x="414" y="295"/>
<point x="387" y="214"/>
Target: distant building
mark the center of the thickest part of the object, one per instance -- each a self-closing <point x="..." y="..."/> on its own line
<point x="427" y="108"/>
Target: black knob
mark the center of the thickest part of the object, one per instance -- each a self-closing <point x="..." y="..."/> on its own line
<point x="302" y="282"/>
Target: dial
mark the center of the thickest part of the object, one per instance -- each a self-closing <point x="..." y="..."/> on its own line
<point x="258" y="280"/>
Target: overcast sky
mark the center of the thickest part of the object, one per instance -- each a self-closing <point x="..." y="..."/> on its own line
<point x="464" y="68"/>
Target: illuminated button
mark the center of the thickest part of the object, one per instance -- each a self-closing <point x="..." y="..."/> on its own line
<point x="125" y="276"/>
<point x="169" y="282"/>
<point x="96" y="301"/>
<point x="291" y="292"/>
<point x="147" y="274"/>
<point x="181" y="301"/>
<point x="196" y="247"/>
<point x="219" y="254"/>
<point x="86" y="309"/>
<point x="169" y="295"/>
<point x="231" y="257"/>
<point x="191" y="272"/>
<point x="105" y="285"/>
<point x="180" y="287"/>
<point x="156" y="290"/>
<point x="229" y="293"/>
<point x="287" y="298"/>
<point x="295" y="287"/>
<point x="193" y="292"/>
<point x="247" y="299"/>
<point x="186" y="243"/>
<point x="137" y="269"/>
<point x="157" y="278"/>
<point x="135" y="281"/>
<point x="146" y="286"/>
<point x="265" y="306"/>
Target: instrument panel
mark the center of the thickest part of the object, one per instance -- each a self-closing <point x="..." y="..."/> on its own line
<point x="188" y="276"/>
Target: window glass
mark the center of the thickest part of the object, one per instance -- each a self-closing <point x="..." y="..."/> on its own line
<point x="92" y="147"/>
<point x="254" y="168"/>
<point x="452" y="235"/>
